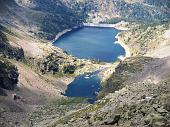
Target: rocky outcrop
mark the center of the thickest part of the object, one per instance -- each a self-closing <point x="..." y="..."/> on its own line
<point x="8" y="75"/>
<point x="57" y="63"/>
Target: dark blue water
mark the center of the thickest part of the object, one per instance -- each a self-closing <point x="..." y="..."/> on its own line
<point x="87" y="86"/>
<point x="92" y="43"/>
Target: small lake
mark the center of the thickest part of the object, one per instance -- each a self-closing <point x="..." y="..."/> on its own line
<point x="87" y="86"/>
<point x="90" y="43"/>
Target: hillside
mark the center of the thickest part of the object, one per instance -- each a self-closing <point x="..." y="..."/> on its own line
<point x="34" y="73"/>
<point x="137" y="93"/>
<point x="42" y="18"/>
<point x="43" y="71"/>
<point x="47" y="18"/>
<point x="132" y="10"/>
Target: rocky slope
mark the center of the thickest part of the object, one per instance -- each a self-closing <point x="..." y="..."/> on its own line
<point x="44" y="70"/>
<point x="43" y="18"/>
<point x="133" y="10"/>
<point x="136" y="94"/>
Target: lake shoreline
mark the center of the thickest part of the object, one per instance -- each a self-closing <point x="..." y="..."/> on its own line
<point x="98" y="25"/>
<point x="116" y="26"/>
<point x="119" y="26"/>
<point x="65" y="31"/>
<point x="104" y="74"/>
<point x="127" y="50"/>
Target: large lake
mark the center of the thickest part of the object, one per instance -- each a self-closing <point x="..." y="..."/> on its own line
<point x="92" y="43"/>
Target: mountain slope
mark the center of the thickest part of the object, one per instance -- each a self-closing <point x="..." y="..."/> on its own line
<point x="133" y="10"/>
<point x="45" y="18"/>
<point x="136" y="94"/>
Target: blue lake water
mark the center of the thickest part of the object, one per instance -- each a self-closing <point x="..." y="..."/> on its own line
<point x="90" y="43"/>
<point x="87" y="85"/>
